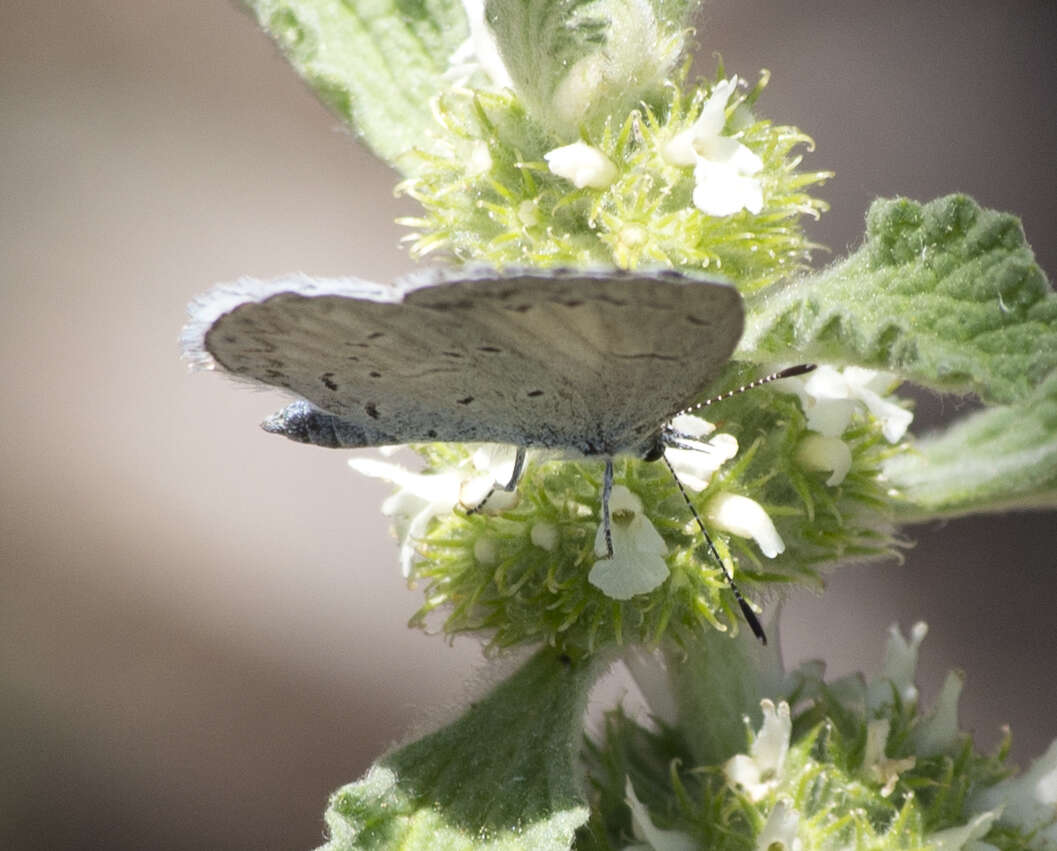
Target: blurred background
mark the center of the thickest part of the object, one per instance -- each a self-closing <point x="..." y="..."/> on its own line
<point x="202" y="628"/>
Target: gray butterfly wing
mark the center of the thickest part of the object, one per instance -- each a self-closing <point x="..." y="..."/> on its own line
<point x="590" y="362"/>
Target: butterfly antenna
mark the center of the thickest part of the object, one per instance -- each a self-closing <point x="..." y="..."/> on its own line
<point x="789" y="372"/>
<point x="746" y="610"/>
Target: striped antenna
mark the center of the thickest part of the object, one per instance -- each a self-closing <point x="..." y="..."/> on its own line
<point x="789" y="372"/>
<point x="746" y="610"/>
<point x="680" y="441"/>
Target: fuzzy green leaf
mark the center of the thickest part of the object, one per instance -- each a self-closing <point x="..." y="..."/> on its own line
<point x="574" y="62"/>
<point x="945" y="294"/>
<point x="503" y="776"/>
<point x="999" y="458"/>
<point x="376" y="63"/>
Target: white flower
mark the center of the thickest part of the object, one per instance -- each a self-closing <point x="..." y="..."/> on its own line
<point x="1028" y="802"/>
<point x="818" y="452"/>
<point x="746" y="518"/>
<point x="695" y="467"/>
<point x="900" y="667"/>
<point x="582" y="164"/>
<point x="637" y="565"/>
<point x="422" y="496"/>
<point x="544" y="535"/>
<point x="779" y="833"/>
<point x="479" y="51"/>
<point x="642" y="827"/>
<point x="496" y="463"/>
<point x="723" y="166"/>
<point x="937" y="733"/>
<point x="958" y="838"/>
<point x="875" y="764"/>
<point x="830" y="397"/>
<point x="760" y="771"/>
<point x="480" y="161"/>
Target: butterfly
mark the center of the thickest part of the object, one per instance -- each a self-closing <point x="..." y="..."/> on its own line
<point x="591" y="363"/>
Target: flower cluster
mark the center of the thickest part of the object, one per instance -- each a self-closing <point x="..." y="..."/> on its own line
<point x="532" y="565"/>
<point x="679" y="183"/>
<point x="853" y="765"/>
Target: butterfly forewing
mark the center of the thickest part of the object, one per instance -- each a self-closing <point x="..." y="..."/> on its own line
<point x="590" y="362"/>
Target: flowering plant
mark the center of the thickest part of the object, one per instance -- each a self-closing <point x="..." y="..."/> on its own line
<point x="547" y="133"/>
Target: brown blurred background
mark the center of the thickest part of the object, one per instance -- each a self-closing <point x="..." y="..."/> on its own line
<point x="201" y="626"/>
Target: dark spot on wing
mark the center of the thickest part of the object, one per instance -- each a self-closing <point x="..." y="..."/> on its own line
<point x="451" y="354"/>
<point x="374" y="374"/>
<point x="488" y="349"/>
<point x="372" y="410"/>
<point x="353" y="358"/>
<point x="374" y="335"/>
<point x="694" y="320"/>
<point x="519" y="308"/>
<point x="465" y="401"/>
<point x="534" y="393"/>
<point x="275" y="374"/>
<point x="328" y="381"/>
<point x="574" y="303"/>
<point x="230" y="338"/>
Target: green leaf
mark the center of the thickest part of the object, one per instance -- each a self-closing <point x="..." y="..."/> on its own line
<point x="376" y="63"/>
<point x="996" y="459"/>
<point x="945" y="294"/>
<point x="503" y="776"/>
<point x="576" y="62"/>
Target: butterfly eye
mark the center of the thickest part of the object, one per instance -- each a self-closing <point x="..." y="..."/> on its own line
<point x="655" y="449"/>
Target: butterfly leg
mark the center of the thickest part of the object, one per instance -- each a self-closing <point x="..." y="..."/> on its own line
<point x="607" y="490"/>
<point x="515" y="477"/>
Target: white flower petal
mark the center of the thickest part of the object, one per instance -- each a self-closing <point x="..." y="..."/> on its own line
<point x="831" y="397"/>
<point x="875" y="764"/>
<point x="956" y="838"/>
<point x="937" y="733"/>
<point x="818" y="452"/>
<point x="771" y="745"/>
<point x="723" y="166"/>
<point x="679" y="150"/>
<point x="895" y="419"/>
<point x="746" y="518"/>
<point x="760" y="771"/>
<point x="742" y="770"/>
<point x="900" y="667"/>
<point x="544" y="535"/>
<point x="1029" y="801"/>
<point x="779" y="832"/>
<point x="695" y="467"/>
<point x="720" y="190"/>
<point x="627" y="573"/>
<point x="713" y="116"/>
<point x="637" y="565"/>
<point x="695" y="427"/>
<point x="582" y="164"/>
<point x="642" y="826"/>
